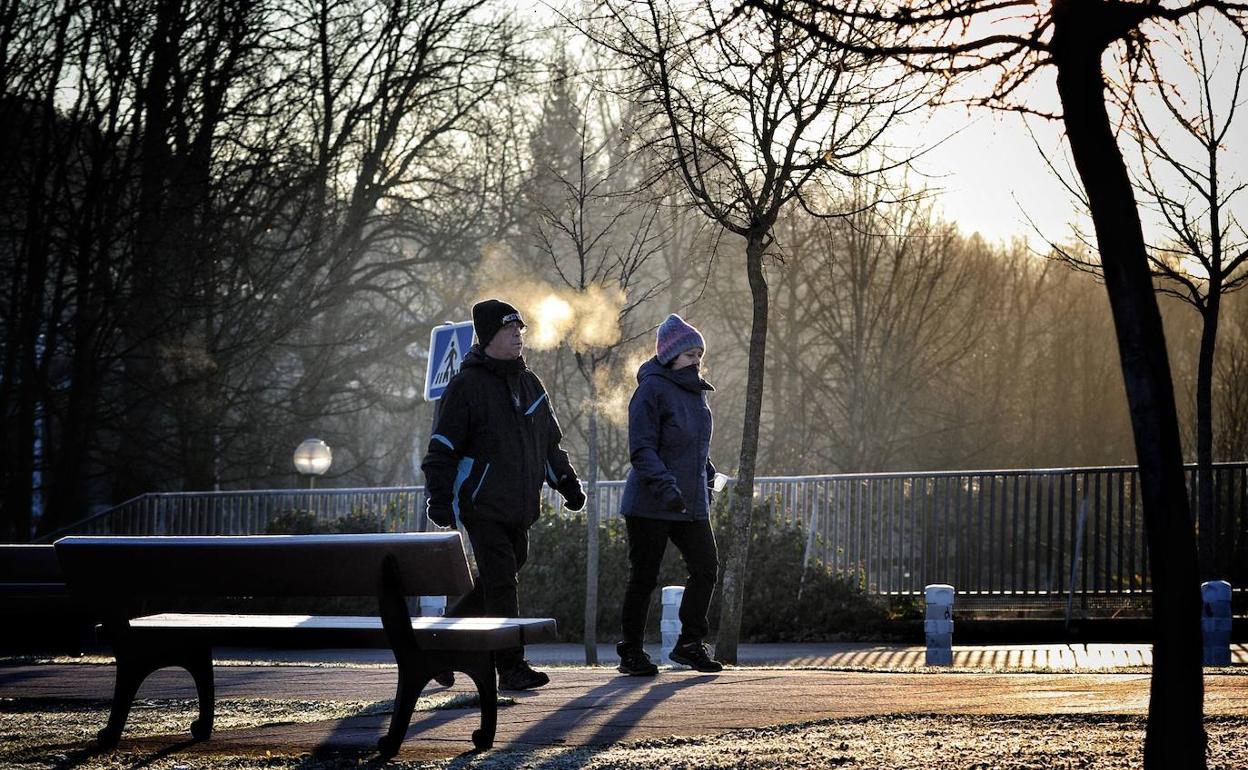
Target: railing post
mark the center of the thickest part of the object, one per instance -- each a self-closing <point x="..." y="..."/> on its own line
<point x="1215" y="622"/>
<point x="669" y="625"/>
<point x="938" y="624"/>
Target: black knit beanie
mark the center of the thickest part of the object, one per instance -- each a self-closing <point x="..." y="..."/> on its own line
<point x="490" y="315"/>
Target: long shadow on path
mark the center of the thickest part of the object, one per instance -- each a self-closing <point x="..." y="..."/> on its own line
<point x="615" y="707"/>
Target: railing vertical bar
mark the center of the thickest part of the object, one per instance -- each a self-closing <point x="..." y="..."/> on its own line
<point x="1137" y="582"/>
<point x="1015" y="501"/>
<point x="911" y="517"/>
<point x="1192" y="477"/>
<point x="848" y="505"/>
<point x="1224" y="514"/>
<point x="827" y="527"/>
<point x="1003" y="506"/>
<point x="859" y="526"/>
<point x="894" y="571"/>
<point x="1062" y="548"/>
<point x="951" y="530"/>
<point x="1121" y="560"/>
<point x="991" y="539"/>
<point x="1025" y="506"/>
<point x="1241" y="577"/>
<point x="1096" y="534"/>
<point x="1048" y="534"/>
<point x="872" y="522"/>
<point x="940" y="518"/>
<point x="928" y="520"/>
<point x="1145" y="556"/>
<point x="981" y="535"/>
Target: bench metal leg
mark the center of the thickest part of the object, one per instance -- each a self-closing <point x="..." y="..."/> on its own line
<point x="417" y="669"/>
<point x="200" y="668"/>
<point x="130" y="674"/>
<point x="411" y="684"/>
<point x="482" y="674"/>
<point x="135" y="665"/>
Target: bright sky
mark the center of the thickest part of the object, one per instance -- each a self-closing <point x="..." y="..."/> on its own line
<point x="993" y="180"/>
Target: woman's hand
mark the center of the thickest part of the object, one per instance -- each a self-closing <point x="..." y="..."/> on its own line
<point x="671" y="500"/>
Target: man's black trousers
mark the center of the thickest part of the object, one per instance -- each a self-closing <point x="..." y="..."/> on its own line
<point x="500" y="551"/>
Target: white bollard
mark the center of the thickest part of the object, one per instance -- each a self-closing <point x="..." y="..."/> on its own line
<point x="1215" y="622"/>
<point x="432" y="606"/>
<point x="669" y="625"/>
<point x="938" y="624"/>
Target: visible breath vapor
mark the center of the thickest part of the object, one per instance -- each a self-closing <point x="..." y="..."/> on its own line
<point x="554" y="314"/>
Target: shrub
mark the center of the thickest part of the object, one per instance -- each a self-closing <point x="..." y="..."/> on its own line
<point x="296" y="522"/>
<point x="300" y="522"/>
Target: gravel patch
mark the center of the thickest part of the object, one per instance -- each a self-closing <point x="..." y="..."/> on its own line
<point x="907" y="742"/>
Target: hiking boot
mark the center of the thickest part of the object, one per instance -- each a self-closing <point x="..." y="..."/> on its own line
<point x="446" y="678"/>
<point x="694" y="654"/>
<point x="635" y="662"/>
<point x="521" y="677"/>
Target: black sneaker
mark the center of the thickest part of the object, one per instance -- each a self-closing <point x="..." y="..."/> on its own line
<point x="521" y="677"/>
<point x="635" y="662"/>
<point x="694" y="654"/>
<point x="446" y="679"/>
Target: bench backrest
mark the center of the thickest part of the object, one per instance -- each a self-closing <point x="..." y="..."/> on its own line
<point x="109" y="572"/>
<point x="29" y="564"/>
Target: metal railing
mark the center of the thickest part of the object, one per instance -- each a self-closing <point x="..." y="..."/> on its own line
<point x="1038" y="532"/>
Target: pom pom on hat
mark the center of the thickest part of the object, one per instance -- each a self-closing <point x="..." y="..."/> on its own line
<point x="674" y="337"/>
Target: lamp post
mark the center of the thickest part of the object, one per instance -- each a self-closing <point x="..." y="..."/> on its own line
<point x="312" y="459"/>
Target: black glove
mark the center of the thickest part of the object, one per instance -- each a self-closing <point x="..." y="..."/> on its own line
<point x="670" y="499"/>
<point x="441" y="514"/>
<point x="573" y="495"/>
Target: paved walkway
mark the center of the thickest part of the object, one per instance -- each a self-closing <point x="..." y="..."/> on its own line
<point x="1096" y="656"/>
<point x="594" y="705"/>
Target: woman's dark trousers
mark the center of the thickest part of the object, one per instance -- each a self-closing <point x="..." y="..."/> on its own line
<point x="647" y="540"/>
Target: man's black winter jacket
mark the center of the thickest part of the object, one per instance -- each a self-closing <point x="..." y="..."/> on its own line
<point x="495" y="440"/>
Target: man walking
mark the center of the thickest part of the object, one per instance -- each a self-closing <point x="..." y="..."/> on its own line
<point x="495" y="440"/>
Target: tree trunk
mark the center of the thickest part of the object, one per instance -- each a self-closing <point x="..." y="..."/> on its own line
<point x="156" y="227"/>
<point x="1175" y="735"/>
<point x="737" y="557"/>
<point x="591" y="527"/>
<point x="1210" y="568"/>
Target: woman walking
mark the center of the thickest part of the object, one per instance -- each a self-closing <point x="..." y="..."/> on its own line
<point x="668" y="494"/>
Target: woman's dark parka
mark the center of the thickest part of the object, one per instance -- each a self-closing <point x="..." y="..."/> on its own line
<point x="495" y="440"/>
<point x="669" y="442"/>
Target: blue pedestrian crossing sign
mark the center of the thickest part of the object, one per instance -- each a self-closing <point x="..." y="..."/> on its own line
<point x="448" y="344"/>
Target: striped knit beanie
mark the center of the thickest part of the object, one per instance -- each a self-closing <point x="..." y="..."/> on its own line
<point x="674" y="337"/>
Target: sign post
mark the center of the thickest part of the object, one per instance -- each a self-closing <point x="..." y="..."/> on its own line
<point x="448" y="344"/>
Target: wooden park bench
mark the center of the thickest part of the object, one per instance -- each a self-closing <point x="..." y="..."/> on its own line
<point x="115" y="576"/>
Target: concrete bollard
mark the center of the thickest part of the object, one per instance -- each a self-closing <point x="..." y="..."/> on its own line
<point x="938" y="624"/>
<point x="669" y="625"/>
<point x="1215" y="622"/>
<point x="432" y="606"/>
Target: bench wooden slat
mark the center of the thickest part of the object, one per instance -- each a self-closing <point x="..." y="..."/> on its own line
<point x="431" y="633"/>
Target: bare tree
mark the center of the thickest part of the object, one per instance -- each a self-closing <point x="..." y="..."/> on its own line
<point x="893" y="300"/>
<point x="1072" y="37"/>
<point x="1184" y="184"/>
<point x="227" y="241"/>
<point x="597" y="230"/>
<point x="753" y="115"/>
